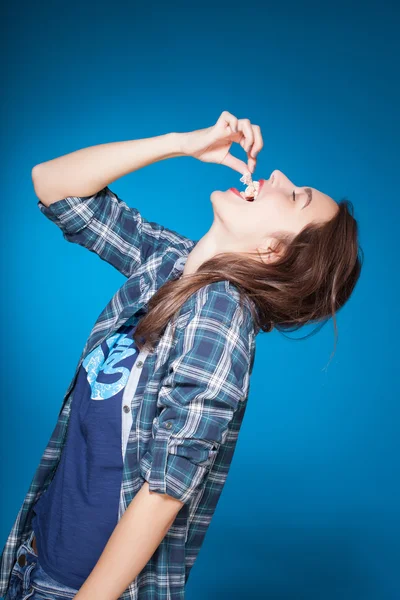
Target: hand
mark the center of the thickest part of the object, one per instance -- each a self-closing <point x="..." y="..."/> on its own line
<point x="213" y="143"/>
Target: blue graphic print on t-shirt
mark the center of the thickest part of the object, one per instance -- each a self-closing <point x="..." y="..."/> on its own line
<point x="120" y="348"/>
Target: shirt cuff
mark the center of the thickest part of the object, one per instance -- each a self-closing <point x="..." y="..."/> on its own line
<point x="176" y="466"/>
<point x="73" y="213"/>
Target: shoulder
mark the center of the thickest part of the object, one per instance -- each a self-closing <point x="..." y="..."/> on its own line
<point x="221" y="302"/>
<point x="213" y="323"/>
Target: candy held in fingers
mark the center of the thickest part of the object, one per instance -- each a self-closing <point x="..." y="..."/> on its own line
<point x="250" y="192"/>
<point x="252" y="188"/>
<point x="246" y="179"/>
<point x="256" y="186"/>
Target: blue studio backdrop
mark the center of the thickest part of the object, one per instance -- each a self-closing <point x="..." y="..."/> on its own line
<point x="311" y="506"/>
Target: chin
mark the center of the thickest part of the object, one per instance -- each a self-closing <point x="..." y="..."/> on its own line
<point x="216" y="194"/>
<point x="227" y="207"/>
<point x="222" y="198"/>
<point x="219" y="201"/>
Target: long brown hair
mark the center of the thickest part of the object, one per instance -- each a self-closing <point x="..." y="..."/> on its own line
<point x="312" y="279"/>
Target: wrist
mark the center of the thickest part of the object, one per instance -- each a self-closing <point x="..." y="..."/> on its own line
<point x="178" y="142"/>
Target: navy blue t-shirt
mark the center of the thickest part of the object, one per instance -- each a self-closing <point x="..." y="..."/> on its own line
<point x="79" y="511"/>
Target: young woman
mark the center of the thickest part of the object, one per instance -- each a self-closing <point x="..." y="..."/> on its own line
<point x="131" y="476"/>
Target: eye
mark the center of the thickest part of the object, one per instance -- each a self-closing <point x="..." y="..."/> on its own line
<point x="294" y="196"/>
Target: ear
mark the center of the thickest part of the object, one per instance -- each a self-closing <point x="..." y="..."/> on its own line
<point x="271" y="250"/>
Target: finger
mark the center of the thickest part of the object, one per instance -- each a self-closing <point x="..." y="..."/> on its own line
<point x="245" y="127"/>
<point x="251" y="160"/>
<point x="235" y="163"/>
<point x="242" y="141"/>
<point x="252" y="163"/>
<point x="258" y="141"/>
<point x="229" y="120"/>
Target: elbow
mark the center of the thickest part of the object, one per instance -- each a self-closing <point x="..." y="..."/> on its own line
<point x="35" y="172"/>
<point x="41" y="186"/>
<point x="35" y="179"/>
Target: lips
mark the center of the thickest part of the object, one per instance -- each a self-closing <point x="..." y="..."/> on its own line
<point x="250" y="198"/>
<point x="235" y="191"/>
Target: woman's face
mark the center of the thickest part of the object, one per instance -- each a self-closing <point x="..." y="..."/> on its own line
<point x="281" y="206"/>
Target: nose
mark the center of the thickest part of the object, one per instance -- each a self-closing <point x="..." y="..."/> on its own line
<point x="280" y="178"/>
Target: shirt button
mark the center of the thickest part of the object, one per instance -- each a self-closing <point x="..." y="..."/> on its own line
<point x="139" y="364"/>
<point x="126" y="408"/>
<point x="168" y="424"/>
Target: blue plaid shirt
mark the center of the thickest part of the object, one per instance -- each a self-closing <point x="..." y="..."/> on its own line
<point x="191" y="396"/>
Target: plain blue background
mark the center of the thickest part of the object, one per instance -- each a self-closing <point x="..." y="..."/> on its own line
<point x="311" y="506"/>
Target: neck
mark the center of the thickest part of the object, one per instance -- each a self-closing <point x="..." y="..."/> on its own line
<point x="212" y="243"/>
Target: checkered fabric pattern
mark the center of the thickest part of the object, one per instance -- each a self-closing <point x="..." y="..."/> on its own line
<point x="191" y="397"/>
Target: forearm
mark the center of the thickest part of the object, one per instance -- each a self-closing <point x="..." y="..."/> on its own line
<point x="88" y="170"/>
<point x="134" y="540"/>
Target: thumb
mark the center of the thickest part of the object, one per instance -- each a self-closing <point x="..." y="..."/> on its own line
<point x="235" y="163"/>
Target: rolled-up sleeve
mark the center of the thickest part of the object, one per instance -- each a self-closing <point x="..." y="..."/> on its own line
<point x="208" y="377"/>
<point x="107" y="226"/>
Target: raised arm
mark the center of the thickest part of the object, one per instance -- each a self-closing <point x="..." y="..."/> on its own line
<point x="88" y="170"/>
<point x="73" y="189"/>
<point x="73" y="192"/>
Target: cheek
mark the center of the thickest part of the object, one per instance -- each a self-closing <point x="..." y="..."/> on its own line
<point x="267" y="212"/>
<point x="253" y="222"/>
<point x="276" y="211"/>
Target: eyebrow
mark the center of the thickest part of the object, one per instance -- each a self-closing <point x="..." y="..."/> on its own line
<point x="310" y="196"/>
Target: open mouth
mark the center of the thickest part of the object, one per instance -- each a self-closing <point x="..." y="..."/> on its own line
<point x="248" y="198"/>
<point x="252" y="189"/>
<point x="249" y="195"/>
<point x="242" y="195"/>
